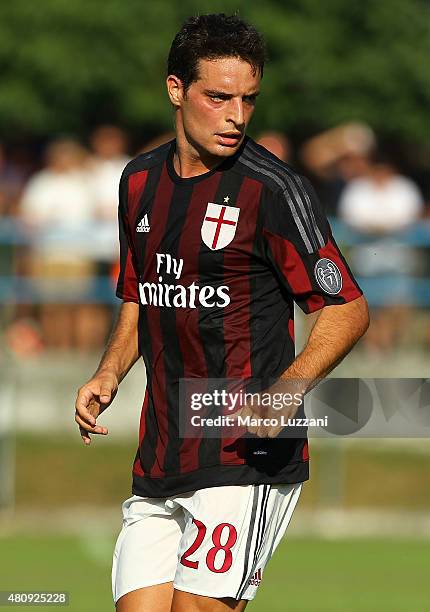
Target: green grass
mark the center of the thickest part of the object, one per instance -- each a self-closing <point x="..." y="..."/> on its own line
<point x="57" y="563"/>
<point x="304" y="575"/>
<point x="346" y="575"/>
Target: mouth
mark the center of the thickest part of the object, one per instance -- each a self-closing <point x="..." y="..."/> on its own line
<point x="229" y="138"/>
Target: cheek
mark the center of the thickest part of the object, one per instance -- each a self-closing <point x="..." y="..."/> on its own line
<point x="205" y="111"/>
<point x="248" y="113"/>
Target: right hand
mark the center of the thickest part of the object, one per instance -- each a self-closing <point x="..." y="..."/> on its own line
<point x="92" y="399"/>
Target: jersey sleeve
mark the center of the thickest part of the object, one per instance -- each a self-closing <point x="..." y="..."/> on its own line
<point x="126" y="288"/>
<point x="299" y="246"/>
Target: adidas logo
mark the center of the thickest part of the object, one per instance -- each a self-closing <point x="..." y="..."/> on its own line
<point x="256" y="578"/>
<point x="143" y="225"/>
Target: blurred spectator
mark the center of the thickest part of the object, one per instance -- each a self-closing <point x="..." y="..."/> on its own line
<point x="337" y="156"/>
<point x="323" y="151"/>
<point x="109" y="157"/>
<point x="382" y="201"/>
<point x="378" y="206"/>
<point x="58" y="195"/>
<point x="56" y="203"/>
<point x="276" y="143"/>
<point x="11" y="184"/>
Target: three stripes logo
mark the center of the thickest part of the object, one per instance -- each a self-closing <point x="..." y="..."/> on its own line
<point x="255" y="579"/>
<point x="143" y="225"/>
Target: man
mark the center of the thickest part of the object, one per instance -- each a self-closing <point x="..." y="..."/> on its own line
<point x="218" y="237"/>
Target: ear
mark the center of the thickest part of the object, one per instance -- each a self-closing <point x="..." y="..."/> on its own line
<point x="175" y="89"/>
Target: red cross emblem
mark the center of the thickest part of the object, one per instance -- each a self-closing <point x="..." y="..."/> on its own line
<point x="219" y="225"/>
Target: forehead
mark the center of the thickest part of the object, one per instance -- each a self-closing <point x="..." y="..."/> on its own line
<point x="226" y="74"/>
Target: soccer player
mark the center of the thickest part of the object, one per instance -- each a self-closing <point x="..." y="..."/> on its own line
<point x="218" y="239"/>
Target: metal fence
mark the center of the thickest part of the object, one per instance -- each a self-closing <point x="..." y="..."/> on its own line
<point x="98" y="242"/>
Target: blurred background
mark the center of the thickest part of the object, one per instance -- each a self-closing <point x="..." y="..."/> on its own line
<point x="345" y="99"/>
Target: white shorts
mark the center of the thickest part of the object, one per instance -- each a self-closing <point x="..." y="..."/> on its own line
<point x="214" y="541"/>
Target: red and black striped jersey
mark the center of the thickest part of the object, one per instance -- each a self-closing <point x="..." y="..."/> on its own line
<point x="216" y="262"/>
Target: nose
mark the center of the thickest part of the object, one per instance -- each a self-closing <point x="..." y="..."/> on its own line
<point x="236" y="112"/>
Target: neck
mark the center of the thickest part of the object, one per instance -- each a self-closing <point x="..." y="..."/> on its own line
<point x="190" y="160"/>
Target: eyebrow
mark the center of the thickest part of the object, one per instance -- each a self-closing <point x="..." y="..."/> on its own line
<point x="223" y="94"/>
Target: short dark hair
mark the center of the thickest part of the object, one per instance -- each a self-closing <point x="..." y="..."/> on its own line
<point x="212" y="37"/>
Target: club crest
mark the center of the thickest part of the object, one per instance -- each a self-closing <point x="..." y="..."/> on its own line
<point x="219" y="225"/>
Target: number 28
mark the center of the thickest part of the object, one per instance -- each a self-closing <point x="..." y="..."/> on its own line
<point x="217" y="546"/>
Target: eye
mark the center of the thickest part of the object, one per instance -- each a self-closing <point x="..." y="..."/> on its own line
<point x="216" y="98"/>
<point x="250" y="99"/>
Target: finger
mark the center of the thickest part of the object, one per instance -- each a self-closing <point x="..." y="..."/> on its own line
<point x="96" y="429"/>
<point x="274" y="432"/>
<point x="85" y="395"/>
<point x="94" y="408"/>
<point x="81" y="419"/>
<point x="87" y="418"/>
<point x="240" y="425"/>
<point x="85" y="436"/>
<point x="82" y="405"/>
<point x="253" y="428"/>
<point x="105" y="393"/>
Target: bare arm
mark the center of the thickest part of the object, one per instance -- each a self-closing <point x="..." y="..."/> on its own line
<point x="334" y="334"/>
<point x="120" y="355"/>
<point x="122" y="351"/>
